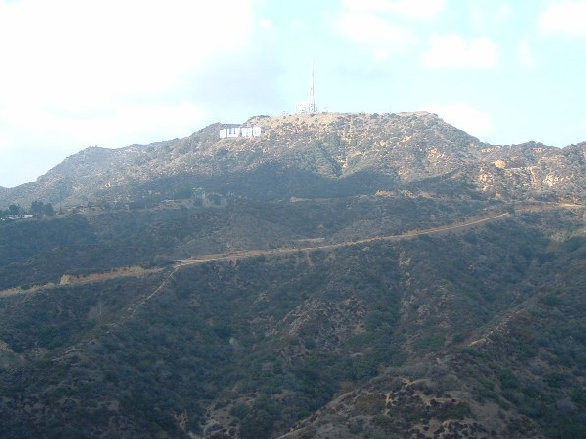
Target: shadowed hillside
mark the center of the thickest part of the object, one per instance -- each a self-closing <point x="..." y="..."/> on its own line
<point x="341" y="276"/>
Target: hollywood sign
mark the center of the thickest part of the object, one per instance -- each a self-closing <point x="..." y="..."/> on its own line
<point x="240" y="132"/>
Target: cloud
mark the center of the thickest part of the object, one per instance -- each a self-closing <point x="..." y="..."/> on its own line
<point x="87" y="53"/>
<point x="78" y="72"/>
<point x="29" y="161"/>
<point x="266" y="24"/>
<point x="566" y="18"/>
<point x="57" y="135"/>
<point x="525" y="55"/>
<point x="4" y="144"/>
<point x="504" y="12"/>
<point x="414" y="9"/>
<point x="462" y="116"/>
<point x="452" y="51"/>
<point x="376" y="23"/>
<point x="486" y="17"/>
<point x="132" y="123"/>
<point x="368" y="29"/>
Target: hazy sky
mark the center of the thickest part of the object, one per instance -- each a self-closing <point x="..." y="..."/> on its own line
<point x="77" y="73"/>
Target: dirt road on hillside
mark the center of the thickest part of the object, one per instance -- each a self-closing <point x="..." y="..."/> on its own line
<point x="245" y="254"/>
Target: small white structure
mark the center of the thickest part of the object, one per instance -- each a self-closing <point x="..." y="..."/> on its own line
<point x="240" y="132"/>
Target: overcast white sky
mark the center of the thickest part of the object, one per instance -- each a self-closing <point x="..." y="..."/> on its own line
<point x="76" y="73"/>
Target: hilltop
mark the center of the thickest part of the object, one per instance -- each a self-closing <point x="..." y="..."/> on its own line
<point x="325" y="154"/>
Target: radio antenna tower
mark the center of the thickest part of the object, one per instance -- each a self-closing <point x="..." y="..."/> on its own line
<point x="311" y="104"/>
<point x="308" y="107"/>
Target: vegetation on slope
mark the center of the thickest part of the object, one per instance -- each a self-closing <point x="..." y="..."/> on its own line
<point x="249" y="348"/>
<point x="348" y="276"/>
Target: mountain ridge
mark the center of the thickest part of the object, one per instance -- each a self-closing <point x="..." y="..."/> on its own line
<point x="394" y="149"/>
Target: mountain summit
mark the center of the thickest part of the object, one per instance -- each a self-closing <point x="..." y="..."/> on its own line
<point x="304" y="155"/>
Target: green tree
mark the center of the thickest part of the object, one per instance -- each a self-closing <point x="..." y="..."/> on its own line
<point x="15" y="209"/>
<point x="48" y="210"/>
<point x="37" y="208"/>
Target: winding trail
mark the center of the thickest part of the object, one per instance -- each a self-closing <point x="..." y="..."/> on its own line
<point x="68" y="280"/>
<point x="130" y="310"/>
<point x="290" y="250"/>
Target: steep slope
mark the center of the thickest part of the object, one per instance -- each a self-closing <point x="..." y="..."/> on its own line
<point x="322" y="148"/>
<point x="459" y="332"/>
<point x="41" y="251"/>
<point x="310" y="155"/>
<point x="520" y="374"/>
<point x="531" y="170"/>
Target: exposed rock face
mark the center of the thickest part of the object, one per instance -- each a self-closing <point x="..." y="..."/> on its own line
<point x="330" y="153"/>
